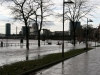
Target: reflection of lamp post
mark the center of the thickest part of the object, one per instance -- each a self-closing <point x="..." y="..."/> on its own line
<point x="7" y="41"/>
<point x="87" y="33"/>
<point x="69" y="2"/>
<point x="16" y="30"/>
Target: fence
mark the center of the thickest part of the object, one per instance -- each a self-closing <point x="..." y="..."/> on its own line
<point x="13" y="44"/>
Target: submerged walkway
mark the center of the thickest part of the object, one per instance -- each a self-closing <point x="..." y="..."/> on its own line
<point x="84" y="64"/>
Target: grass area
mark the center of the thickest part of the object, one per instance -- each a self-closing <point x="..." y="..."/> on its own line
<point x="19" y="67"/>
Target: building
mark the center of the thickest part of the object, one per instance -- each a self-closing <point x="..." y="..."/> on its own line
<point x="60" y="33"/>
<point x="23" y="32"/>
<point x="2" y="35"/>
<point x="8" y="29"/>
<point x="34" y="29"/>
<point x="46" y="32"/>
<point x="20" y="32"/>
<point x="77" y="24"/>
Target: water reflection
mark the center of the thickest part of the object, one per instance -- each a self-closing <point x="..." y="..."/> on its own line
<point x="60" y="46"/>
<point x="38" y="53"/>
<point x="62" y="67"/>
<point x="19" y="53"/>
<point x="21" y="45"/>
<point x="27" y="55"/>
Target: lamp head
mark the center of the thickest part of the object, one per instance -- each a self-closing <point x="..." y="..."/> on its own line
<point x="69" y="2"/>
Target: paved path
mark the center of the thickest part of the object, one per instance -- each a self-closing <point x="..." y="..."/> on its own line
<point x="84" y="64"/>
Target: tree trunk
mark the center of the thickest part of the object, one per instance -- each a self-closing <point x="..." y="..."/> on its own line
<point x="74" y="34"/>
<point x="27" y="37"/>
<point x="27" y="41"/>
<point x="38" y="38"/>
<point x="74" y="38"/>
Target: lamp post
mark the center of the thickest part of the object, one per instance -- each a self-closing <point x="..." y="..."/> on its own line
<point x="69" y="2"/>
<point x="87" y="33"/>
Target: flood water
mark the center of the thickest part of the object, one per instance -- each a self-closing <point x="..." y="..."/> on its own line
<point x="13" y="54"/>
<point x="84" y="64"/>
<point x="16" y="53"/>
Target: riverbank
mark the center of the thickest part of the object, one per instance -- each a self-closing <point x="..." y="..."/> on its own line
<point x="26" y="67"/>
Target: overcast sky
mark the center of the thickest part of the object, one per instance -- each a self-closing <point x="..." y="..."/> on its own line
<point x="56" y="24"/>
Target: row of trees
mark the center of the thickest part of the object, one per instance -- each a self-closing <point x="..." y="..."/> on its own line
<point x="29" y="11"/>
<point x="77" y="11"/>
<point x="37" y="10"/>
<point x="82" y="34"/>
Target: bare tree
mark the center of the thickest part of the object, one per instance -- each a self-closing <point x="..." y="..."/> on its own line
<point x="90" y="31"/>
<point x="76" y="11"/>
<point x="31" y="10"/>
<point x="41" y="13"/>
<point x="23" y="10"/>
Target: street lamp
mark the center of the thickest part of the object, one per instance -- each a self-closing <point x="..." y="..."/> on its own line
<point x="88" y="20"/>
<point x="69" y="2"/>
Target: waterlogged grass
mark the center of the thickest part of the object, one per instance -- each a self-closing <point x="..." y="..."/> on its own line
<point x="20" y="67"/>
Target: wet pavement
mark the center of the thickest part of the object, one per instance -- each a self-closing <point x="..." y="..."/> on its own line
<point x="85" y="64"/>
